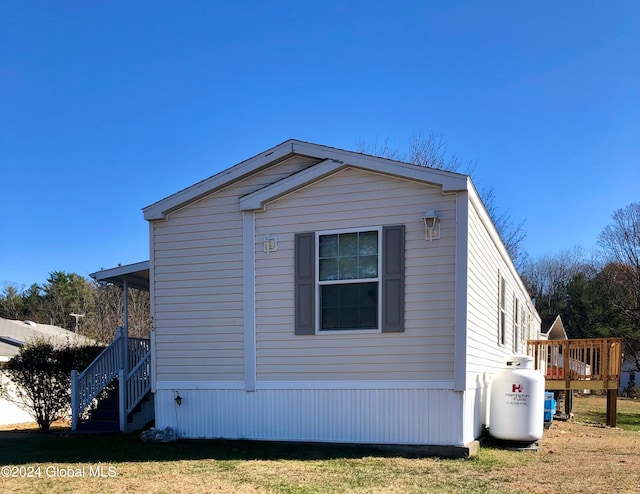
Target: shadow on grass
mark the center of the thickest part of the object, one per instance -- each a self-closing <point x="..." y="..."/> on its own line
<point x="27" y="448"/>
<point x="626" y="421"/>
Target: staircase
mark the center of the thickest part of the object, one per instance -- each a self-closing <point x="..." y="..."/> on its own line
<point x="114" y="392"/>
<point x="105" y="416"/>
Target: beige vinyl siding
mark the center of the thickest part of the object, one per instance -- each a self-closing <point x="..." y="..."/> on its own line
<point x="198" y="286"/>
<point x="354" y="198"/>
<point x="486" y="264"/>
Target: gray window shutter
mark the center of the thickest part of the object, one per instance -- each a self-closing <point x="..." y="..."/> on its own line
<point x="305" y="283"/>
<point x="393" y="279"/>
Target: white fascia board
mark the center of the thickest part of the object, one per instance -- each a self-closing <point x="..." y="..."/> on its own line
<point x="449" y="181"/>
<point x="160" y="209"/>
<point x="120" y="270"/>
<point x="256" y="200"/>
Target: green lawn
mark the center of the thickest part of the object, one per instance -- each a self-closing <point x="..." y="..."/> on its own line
<point x="575" y="456"/>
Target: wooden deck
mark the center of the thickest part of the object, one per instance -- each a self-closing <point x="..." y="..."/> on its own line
<point x="592" y="363"/>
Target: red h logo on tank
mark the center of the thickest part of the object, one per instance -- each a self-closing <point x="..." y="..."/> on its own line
<point x="516" y="387"/>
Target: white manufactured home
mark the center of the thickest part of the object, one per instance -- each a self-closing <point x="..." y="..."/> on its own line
<point x="316" y="294"/>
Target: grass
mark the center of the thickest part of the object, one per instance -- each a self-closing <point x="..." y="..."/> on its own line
<point x="577" y="456"/>
<point x="590" y="410"/>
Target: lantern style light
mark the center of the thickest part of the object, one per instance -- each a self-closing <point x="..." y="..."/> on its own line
<point x="431" y="225"/>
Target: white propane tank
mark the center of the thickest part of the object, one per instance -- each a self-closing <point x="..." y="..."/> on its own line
<point x="516" y="408"/>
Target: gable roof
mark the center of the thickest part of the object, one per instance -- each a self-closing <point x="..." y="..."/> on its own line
<point x="552" y="328"/>
<point x="330" y="160"/>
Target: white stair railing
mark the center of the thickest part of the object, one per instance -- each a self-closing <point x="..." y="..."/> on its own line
<point x="135" y="384"/>
<point x="112" y="362"/>
<point x="85" y="387"/>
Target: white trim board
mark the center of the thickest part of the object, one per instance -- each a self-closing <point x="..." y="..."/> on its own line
<point x="302" y="385"/>
<point x="249" y="298"/>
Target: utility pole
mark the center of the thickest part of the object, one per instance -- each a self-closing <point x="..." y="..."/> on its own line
<point x="77" y="318"/>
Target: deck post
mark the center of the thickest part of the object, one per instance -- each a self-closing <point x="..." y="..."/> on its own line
<point x="612" y="407"/>
<point x="604" y="364"/>
<point x="568" y="401"/>
<point x="566" y="367"/>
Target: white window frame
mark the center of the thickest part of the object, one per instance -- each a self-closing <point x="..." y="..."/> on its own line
<point x="516" y="324"/>
<point x="502" y="310"/>
<point x="524" y="322"/>
<point x="318" y="283"/>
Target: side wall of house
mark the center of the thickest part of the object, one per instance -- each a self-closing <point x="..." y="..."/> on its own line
<point x="487" y="351"/>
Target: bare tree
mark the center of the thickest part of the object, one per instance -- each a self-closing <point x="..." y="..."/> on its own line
<point x="431" y="151"/>
<point x="109" y="312"/>
<point x="548" y="277"/>
<point x="621" y="242"/>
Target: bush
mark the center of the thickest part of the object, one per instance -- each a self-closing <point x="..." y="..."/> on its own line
<point x="40" y="379"/>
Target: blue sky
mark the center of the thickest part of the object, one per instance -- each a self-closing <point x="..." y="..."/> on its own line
<point x="107" y="107"/>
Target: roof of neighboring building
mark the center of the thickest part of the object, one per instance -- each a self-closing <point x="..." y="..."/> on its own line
<point x="13" y="334"/>
<point x="553" y="328"/>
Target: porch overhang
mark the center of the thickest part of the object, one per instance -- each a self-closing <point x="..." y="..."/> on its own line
<point x="136" y="275"/>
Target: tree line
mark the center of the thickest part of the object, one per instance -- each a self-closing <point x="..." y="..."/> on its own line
<point x="596" y="297"/>
<point x="97" y="307"/>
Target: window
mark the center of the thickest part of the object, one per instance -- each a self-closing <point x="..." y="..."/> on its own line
<point x="516" y="324"/>
<point x="523" y="323"/>
<point x="348" y="280"/>
<point x="502" y="310"/>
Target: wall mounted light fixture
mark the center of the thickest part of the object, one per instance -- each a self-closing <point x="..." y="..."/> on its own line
<point x="178" y="399"/>
<point x="431" y="225"/>
<point x="270" y="243"/>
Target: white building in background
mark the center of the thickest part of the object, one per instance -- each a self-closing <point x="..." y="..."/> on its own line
<point x="14" y="334"/>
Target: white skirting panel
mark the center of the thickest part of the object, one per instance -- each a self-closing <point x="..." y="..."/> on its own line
<point x="376" y="416"/>
<point x="476" y="407"/>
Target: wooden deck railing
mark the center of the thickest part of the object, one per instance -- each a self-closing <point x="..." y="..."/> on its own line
<point x="578" y="364"/>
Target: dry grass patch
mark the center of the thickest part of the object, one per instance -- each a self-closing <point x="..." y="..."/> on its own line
<point x="580" y="456"/>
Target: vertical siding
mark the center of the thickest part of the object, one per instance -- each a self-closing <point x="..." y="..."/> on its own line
<point x="475" y="408"/>
<point x="352" y="199"/>
<point x="401" y="416"/>
<point x="198" y="289"/>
